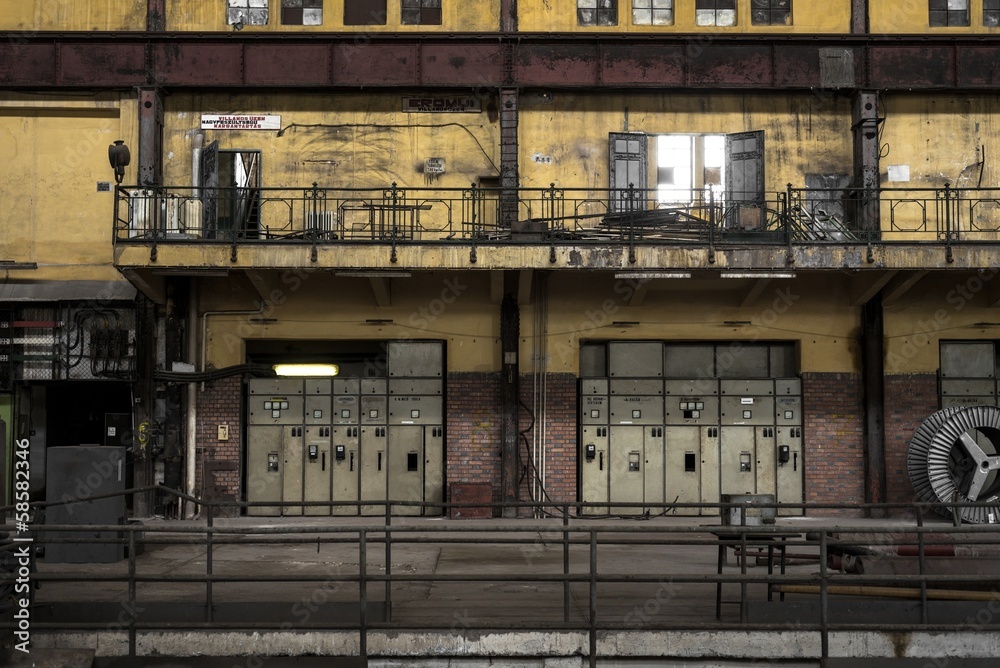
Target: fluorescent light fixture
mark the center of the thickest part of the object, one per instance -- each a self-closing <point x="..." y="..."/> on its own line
<point x="183" y="271"/>
<point x="625" y="323"/>
<point x="379" y="321"/>
<point x="736" y="323"/>
<point x="986" y="324"/>
<point x="759" y="274"/>
<point x="13" y="264"/>
<point x="306" y="369"/>
<point x="653" y="274"/>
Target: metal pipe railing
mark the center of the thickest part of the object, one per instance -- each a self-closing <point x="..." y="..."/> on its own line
<point x="578" y="537"/>
<point x="397" y="214"/>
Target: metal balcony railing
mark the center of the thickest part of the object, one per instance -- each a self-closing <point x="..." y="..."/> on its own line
<point x="395" y="214"/>
<point x="564" y="574"/>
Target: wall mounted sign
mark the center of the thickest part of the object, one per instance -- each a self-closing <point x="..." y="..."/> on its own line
<point x="442" y="104"/>
<point x="239" y="122"/>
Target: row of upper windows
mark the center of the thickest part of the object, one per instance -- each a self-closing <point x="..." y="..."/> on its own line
<point x="356" y="12"/>
<point x="720" y="13"/>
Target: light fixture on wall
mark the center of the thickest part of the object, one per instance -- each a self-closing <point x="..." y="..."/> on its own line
<point x="648" y="275"/>
<point x="300" y="370"/>
<point x="119" y="157"/>
<point x="758" y="274"/>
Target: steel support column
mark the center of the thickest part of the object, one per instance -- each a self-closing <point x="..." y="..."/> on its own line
<point x="509" y="394"/>
<point x="156" y="13"/>
<point x="859" y="17"/>
<point x="873" y="370"/>
<point x="508" y="15"/>
<point x="150" y="137"/>
<point x="866" y="161"/>
<point x="509" y="178"/>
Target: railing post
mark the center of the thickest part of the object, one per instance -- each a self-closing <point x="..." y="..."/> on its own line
<point x="363" y="591"/>
<point x="711" y="226"/>
<point x="785" y="203"/>
<point x="210" y="514"/>
<point x="131" y="591"/>
<point x="566" y="563"/>
<point x="922" y="565"/>
<point x="823" y="602"/>
<point x="949" y="233"/>
<point x="631" y="223"/>
<point x="593" y="598"/>
<point x="388" y="561"/>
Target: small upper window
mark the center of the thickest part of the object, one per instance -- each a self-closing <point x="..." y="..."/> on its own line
<point x="949" y="13"/>
<point x="991" y="13"/>
<point x="771" y="12"/>
<point x="654" y="12"/>
<point x="421" y="12"/>
<point x="597" y="12"/>
<point x="365" y="12"/>
<point x="302" y="12"/>
<point x="247" y="13"/>
<point x="715" y="13"/>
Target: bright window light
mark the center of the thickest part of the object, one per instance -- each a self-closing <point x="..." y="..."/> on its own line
<point x="306" y="369"/>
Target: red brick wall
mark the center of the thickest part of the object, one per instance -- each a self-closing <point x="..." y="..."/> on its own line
<point x="473" y="429"/>
<point x="220" y="403"/>
<point x="560" y="435"/>
<point x="833" y="439"/>
<point x="909" y="399"/>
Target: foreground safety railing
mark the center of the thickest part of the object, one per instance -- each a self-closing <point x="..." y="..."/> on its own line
<point x="563" y="574"/>
<point x="396" y="214"/>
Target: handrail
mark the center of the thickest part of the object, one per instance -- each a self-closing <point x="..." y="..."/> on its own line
<point x="403" y="215"/>
<point x="579" y="537"/>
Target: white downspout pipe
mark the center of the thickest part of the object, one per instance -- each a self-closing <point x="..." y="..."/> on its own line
<point x="191" y="440"/>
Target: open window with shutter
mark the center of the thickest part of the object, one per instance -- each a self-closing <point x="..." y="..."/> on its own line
<point x="745" y="180"/>
<point x="628" y="170"/>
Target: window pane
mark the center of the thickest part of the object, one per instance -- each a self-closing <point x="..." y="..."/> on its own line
<point x="312" y="16"/>
<point x="704" y="17"/>
<point x="726" y="17"/>
<point x="290" y="3"/>
<point x="663" y="17"/>
<point x="258" y="17"/>
<point x="669" y="4"/>
<point x="291" y="16"/>
<point x="958" y="4"/>
<point x="411" y="16"/>
<point x="365" y="12"/>
<point x="642" y="17"/>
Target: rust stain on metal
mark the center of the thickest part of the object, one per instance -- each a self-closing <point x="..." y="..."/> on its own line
<point x="102" y="64"/>
<point x="287" y="64"/>
<point x="384" y="64"/>
<point x="461" y="64"/>
<point x="199" y="64"/>
<point x="927" y="66"/>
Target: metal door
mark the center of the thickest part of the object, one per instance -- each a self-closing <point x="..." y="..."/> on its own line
<point x="738" y="460"/>
<point x="653" y="474"/>
<point x="627" y="475"/>
<point x="710" y="473"/>
<point x="595" y="468"/>
<point x="682" y="467"/>
<point x="405" y="474"/>
<point x="628" y="158"/>
<point x="292" y="446"/>
<point x="318" y="466"/>
<point x="745" y="179"/>
<point x="766" y="452"/>
<point x="789" y="470"/>
<point x="374" y="466"/>
<point x="264" y="466"/>
<point x="345" y="468"/>
<point x="210" y="189"/>
<point x="434" y="468"/>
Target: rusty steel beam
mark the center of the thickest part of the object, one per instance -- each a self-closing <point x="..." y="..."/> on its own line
<point x="156" y="15"/>
<point x="323" y="60"/>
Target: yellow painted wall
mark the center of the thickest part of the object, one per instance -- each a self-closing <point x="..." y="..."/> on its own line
<point x="951" y="306"/>
<point x="804" y="134"/>
<point x="354" y="141"/>
<point x="449" y="306"/>
<point x="72" y="15"/>
<point x="833" y="16"/>
<point x="457" y="16"/>
<point x="941" y="139"/>
<point x="456" y="307"/>
<point x="913" y="17"/>
<point x="56" y="151"/>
